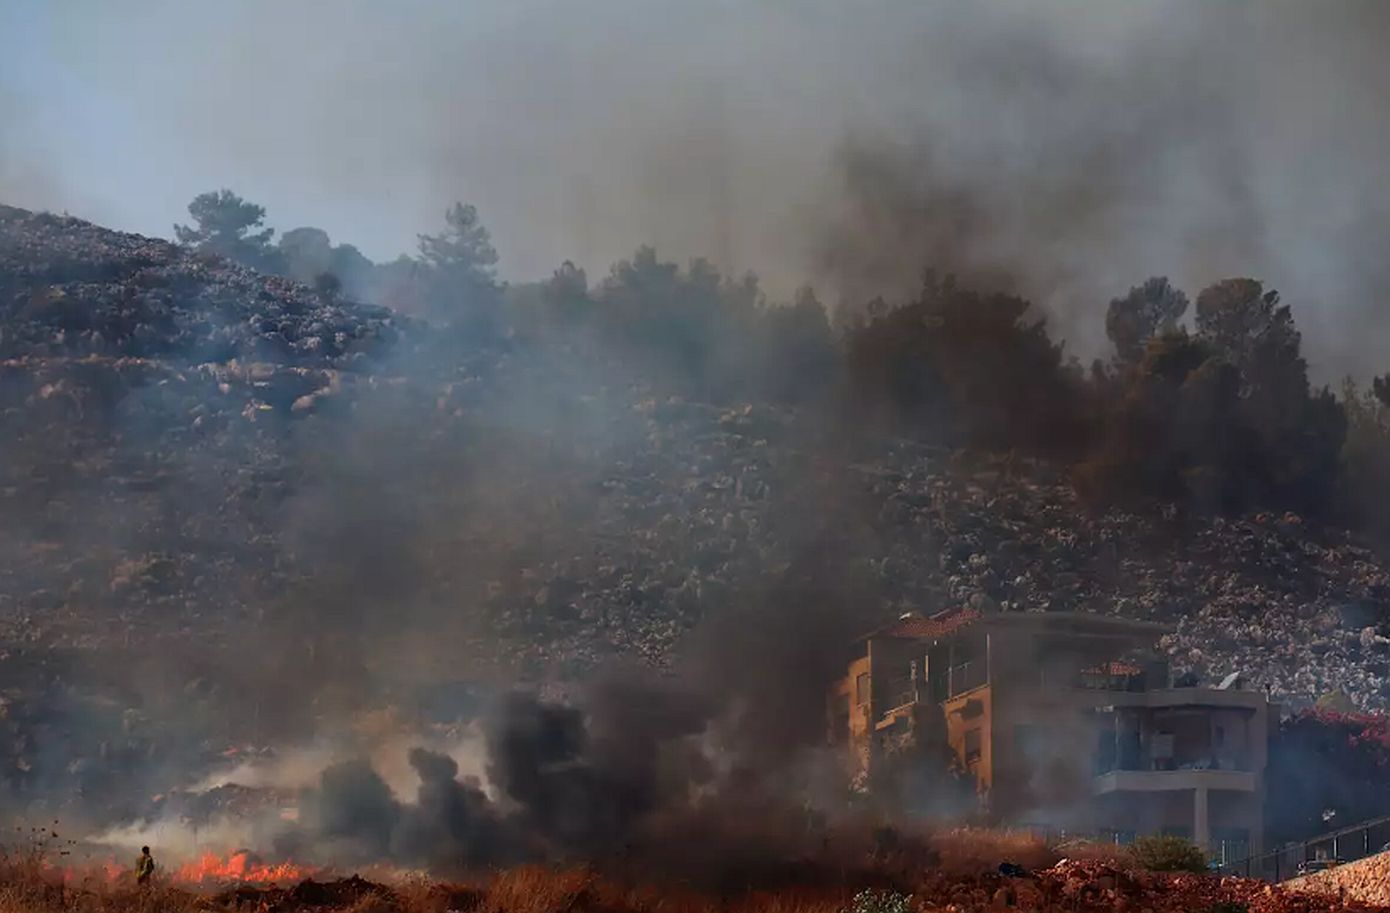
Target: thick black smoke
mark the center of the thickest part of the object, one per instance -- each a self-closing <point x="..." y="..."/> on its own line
<point x="637" y="765"/>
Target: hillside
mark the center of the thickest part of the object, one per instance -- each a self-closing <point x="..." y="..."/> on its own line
<point x="218" y="482"/>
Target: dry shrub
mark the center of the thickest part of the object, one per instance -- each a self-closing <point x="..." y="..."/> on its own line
<point x="969" y="850"/>
<point x="536" y="889"/>
<point x="1114" y="856"/>
<point x="417" y="894"/>
<point x="375" y="903"/>
<point x="951" y="866"/>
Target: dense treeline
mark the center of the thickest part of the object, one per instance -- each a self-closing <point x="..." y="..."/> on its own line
<point x="1217" y="415"/>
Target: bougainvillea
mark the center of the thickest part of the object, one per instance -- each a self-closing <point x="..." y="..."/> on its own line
<point x="1327" y="769"/>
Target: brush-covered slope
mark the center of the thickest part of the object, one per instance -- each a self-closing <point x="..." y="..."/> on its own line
<point x="193" y="451"/>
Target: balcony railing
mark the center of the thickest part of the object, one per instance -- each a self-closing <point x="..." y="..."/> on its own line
<point x="1106" y="762"/>
<point x="966" y="676"/>
<point x="896" y="697"/>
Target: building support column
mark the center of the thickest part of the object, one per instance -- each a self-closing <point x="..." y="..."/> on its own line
<point x="1201" y="832"/>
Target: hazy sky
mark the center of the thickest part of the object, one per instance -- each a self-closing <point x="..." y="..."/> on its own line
<point x="1073" y="148"/>
<point x="578" y="129"/>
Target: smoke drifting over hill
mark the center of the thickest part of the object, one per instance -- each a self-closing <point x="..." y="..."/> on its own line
<point x="296" y="510"/>
<point x="1055" y="148"/>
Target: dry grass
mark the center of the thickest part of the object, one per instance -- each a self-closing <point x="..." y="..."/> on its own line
<point x="524" y="889"/>
<point x="975" y="849"/>
<point x="929" y="863"/>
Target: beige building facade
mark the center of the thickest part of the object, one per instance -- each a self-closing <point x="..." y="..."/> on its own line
<point x="1064" y="721"/>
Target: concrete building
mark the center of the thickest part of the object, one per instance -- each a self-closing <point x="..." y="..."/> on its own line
<point x="1064" y="721"/>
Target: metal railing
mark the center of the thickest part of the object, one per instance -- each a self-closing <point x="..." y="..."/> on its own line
<point x="1348" y="844"/>
<point x="898" y="696"/>
<point x="965" y="677"/>
<point x="1135" y="760"/>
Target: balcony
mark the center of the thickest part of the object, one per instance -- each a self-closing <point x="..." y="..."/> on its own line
<point x="1127" y="765"/>
<point x="1163" y="698"/>
<point x="1128" y="755"/>
<point x="1168" y="780"/>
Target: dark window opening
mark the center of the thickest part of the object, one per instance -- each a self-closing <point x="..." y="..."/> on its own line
<point x="973" y="745"/>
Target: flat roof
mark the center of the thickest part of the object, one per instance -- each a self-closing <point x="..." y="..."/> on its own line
<point x="1092" y="620"/>
<point x="945" y="623"/>
<point x="918" y="627"/>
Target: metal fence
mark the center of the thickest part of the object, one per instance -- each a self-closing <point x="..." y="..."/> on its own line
<point x="1347" y="844"/>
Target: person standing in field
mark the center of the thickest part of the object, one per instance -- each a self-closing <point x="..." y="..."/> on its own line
<point x="144" y="867"/>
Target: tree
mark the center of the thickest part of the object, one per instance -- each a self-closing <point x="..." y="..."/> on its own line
<point x="568" y="283"/>
<point x="1253" y="331"/>
<point x="564" y="299"/>
<point x="307" y="253"/>
<point x="798" y="361"/>
<point x="1380" y="386"/>
<point x="460" y="270"/>
<point x="1149" y="310"/>
<point x="557" y="309"/>
<point x="1366" y="457"/>
<point x="677" y="325"/>
<point x="1174" y="430"/>
<point x="965" y="368"/>
<point x="1300" y="432"/>
<point x="231" y="227"/>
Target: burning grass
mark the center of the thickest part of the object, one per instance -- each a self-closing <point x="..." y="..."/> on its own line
<point x="241" y="867"/>
<point x="956" y="870"/>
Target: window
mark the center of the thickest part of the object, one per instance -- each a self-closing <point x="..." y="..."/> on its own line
<point x="973" y="745"/>
<point x="1161" y="748"/>
<point x="839" y="723"/>
<point x="862" y="689"/>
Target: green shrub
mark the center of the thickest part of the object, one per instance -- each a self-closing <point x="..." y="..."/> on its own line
<point x="1228" y="906"/>
<point x="880" y="902"/>
<point x="1168" y="854"/>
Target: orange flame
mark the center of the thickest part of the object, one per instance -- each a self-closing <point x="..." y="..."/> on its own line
<point x="108" y="871"/>
<point x="239" y="868"/>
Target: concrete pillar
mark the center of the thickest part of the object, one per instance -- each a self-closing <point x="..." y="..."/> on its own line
<point x="1201" y="834"/>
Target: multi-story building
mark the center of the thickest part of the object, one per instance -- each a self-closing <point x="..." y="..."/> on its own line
<point x="1065" y="720"/>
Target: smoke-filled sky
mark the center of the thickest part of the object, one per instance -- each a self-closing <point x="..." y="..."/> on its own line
<point x="1066" y="149"/>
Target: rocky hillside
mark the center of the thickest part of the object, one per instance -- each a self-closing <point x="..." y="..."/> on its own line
<point x="133" y="383"/>
<point x="192" y="450"/>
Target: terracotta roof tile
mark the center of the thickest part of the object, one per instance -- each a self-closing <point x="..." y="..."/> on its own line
<point x="1116" y="668"/>
<point x="937" y="626"/>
